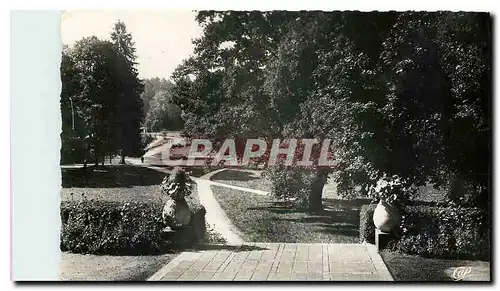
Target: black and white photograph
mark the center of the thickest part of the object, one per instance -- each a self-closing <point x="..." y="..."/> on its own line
<point x="280" y="145"/>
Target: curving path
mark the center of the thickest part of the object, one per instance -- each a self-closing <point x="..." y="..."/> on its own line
<point x="215" y="215"/>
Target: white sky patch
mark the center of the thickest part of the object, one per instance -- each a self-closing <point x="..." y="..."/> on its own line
<point x="227" y="45"/>
<point x="163" y="38"/>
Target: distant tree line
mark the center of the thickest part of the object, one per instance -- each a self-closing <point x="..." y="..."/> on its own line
<point x="101" y="105"/>
<point x="160" y="112"/>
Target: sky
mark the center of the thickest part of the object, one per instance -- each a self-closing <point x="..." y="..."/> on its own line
<point x="162" y="37"/>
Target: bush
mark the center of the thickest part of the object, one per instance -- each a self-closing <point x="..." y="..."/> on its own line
<point x="102" y="227"/>
<point x="292" y="183"/>
<point x="443" y="232"/>
<point x="213" y="236"/>
<point x="366" y="226"/>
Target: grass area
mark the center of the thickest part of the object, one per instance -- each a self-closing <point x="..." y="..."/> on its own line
<point x="414" y="268"/>
<point x="136" y="194"/>
<point x="120" y="183"/>
<point x="243" y="178"/>
<point x="263" y="219"/>
<point x="110" y="176"/>
<point x="253" y="179"/>
<point x="212" y="236"/>
<point x="77" y="267"/>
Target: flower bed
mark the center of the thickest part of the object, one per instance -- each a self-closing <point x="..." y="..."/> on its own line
<point x="443" y="232"/>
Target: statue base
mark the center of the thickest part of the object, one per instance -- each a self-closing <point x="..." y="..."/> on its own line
<point x="381" y="239"/>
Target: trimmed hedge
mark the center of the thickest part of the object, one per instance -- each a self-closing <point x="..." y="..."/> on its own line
<point x="114" y="228"/>
<point x="443" y="232"/>
<point x="366" y="226"/>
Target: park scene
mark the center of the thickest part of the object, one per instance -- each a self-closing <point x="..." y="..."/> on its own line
<point x="281" y="146"/>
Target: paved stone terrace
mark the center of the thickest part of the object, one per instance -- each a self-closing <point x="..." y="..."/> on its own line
<point x="277" y="262"/>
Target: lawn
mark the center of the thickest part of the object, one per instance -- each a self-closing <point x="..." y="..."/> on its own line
<point x="414" y="268"/>
<point x="263" y="219"/>
<point x="253" y="179"/>
<point x="243" y="178"/>
<point x="122" y="183"/>
<point x="77" y="267"/>
<point x="110" y="176"/>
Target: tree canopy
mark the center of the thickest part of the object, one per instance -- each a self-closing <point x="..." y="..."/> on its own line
<point x="402" y="94"/>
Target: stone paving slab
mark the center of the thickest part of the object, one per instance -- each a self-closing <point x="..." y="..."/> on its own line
<point x="277" y="262"/>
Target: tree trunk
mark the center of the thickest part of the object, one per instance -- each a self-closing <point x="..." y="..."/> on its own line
<point x="103" y="159"/>
<point x="110" y="157"/>
<point x="315" y="198"/>
<point x="122" y="161"/>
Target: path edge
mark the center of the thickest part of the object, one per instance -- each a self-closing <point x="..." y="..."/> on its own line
<point x="379" y="263"/>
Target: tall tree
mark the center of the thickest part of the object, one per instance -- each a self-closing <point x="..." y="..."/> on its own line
<point x="97" y="80"/>
<point x="73" y="130"/>
<point x="439" y="64"/>
<point x="130" y="104"/>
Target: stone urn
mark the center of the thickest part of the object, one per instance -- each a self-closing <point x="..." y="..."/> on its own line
<point x="176" y="212"/>
<point x="386" y="217"/>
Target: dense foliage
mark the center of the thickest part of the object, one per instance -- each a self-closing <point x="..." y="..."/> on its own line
<point x="445" y="232"/>
<point x="100" y="227"/>
<point x="163" y="114"/>
<point x="404" y="94"/>
<point x="100" y="98"/>
<point x="160" y="111"/>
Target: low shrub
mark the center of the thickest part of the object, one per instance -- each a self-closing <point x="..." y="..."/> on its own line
<point x="443" y="232"/>
<point x="213" y="236"/>
<point x="292" y="183"/>
<point x="366" y="226"/>
<point x="114" y="228"/>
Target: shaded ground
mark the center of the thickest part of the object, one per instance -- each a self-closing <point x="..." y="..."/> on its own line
<point x="77" y="267"/>
<point x="110" y="176"/>
<point x="136" y="193"/>
<point x="120" y="183"/>
<point x="414" y="268"/>
<point x="253" y="179"/>
<point x="80" y="267"/>
<point x="128" y="194"/>
<point x="263" y="219"/>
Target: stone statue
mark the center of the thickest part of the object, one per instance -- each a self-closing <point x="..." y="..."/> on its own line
<point x="176" y="213"/>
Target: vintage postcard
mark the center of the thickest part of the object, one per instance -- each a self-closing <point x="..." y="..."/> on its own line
<point x="275" y="146"/>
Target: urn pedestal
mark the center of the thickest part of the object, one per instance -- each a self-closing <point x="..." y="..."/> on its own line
<point x="386" y="219"/>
